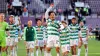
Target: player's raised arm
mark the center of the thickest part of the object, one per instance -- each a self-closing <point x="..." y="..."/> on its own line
<point x="19" y="21"/>
<point x="7" y="30"/>
<point x="87" y="32"/>
<point x="48" y="10"/>
<point x="61" y="26"/>
<point x="43" y="17"/>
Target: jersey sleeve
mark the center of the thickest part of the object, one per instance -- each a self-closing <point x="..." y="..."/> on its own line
<point x="60" y="25"/>
<point x="87" y="28"/>
<point x="69" y="29"/>
<point x="7" y="27"/>
<point x="69" y="35"/>
<point x="87" y="31"/>
<point x="17" y="27"/>
<point x="46" y="13"/>
<point x="24" y="36"/>
<point x="44" y="32"/>
<point x="80" y="34"/>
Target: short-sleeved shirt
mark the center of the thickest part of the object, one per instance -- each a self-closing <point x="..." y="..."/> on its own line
<point x="40" y="33"/>
<point x="64" y="36"/>
<point x="3" y="27"/>
<point x="12" y="30"/>
<point x="83" y="30"/>
<point x="52" y="27"/>
<point x="29" y="34"/>
<point x="45" y="32"/>
<point x="75" y="30"/>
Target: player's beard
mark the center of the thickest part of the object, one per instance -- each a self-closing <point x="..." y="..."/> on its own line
<point x="1" y="20"/>
<point x="53" y="19"/>
<point x="11" y="22"/>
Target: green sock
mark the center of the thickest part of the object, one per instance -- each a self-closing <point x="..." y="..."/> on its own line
<point x="3" y="53"/>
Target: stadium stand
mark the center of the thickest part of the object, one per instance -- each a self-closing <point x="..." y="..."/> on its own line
<point x="62" y="5"/>
<point x="3" y="6"/>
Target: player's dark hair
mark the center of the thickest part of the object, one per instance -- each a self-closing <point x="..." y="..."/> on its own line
<point x="37" y="19"/>
<point x="29" y="20"/>
<point x="1" y="13"/>
<point x="73" y="18"/>
<point x="63" y="22"/>
<point x="51" y="12"/>
<point x="81" y="21"/>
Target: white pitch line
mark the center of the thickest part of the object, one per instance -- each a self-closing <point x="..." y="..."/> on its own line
<point x="91" y="53"/>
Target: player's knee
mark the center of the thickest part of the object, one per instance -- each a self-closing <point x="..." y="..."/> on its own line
<point x="6" y="47"/>
<point x="44" y="46"/>
<point x="41" y="48"/>
<point x="63" y="54"/>
<point x="74" y="48"/>
<point x="85" y="46"/>
<point x="79" y="46"/>
<point x="31" y="50"/>
<point x="36" y="47"/>
<point x="66" y="53"/>
<point x="57" y="49"/>
<point x="0" y="48"/>
<point x="3" y="49"/>
<point x="15" y="44"/>
<point x="48" y="49"/>
<point x="11" y="47"/>
<point x="27" y="50"/>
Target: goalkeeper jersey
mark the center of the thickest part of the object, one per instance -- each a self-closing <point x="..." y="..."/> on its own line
<point x="3" y="27"/>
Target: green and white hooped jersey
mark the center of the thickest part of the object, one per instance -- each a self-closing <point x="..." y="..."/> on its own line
<point x="40" y="34"/>
<point x="12" y="30"/>
<point x="17" y="31"/>
<point x="83" y="30"/>
<point x="64" y="36"/>
<point x="45" y="32"/>
<point x="52" y="27"/>
<point x="75" y="30"/>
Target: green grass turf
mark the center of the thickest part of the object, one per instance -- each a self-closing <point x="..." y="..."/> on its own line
<point x="93" y="45"/>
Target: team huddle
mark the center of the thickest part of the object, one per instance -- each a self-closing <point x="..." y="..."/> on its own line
<point x="54" y="33"/>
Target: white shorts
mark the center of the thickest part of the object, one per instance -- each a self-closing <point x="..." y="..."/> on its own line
<point x="10" y="41"/>
<point x="74" y="42"/>
<point x="53" y="41"/>
<point x="84" y="41"/>
<point x="29" y="44"/>
<point x="16" y="40"/>
<point x="65" y="48"/>
<point x="45" y="41"/>
<point x="39" y="43"/>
